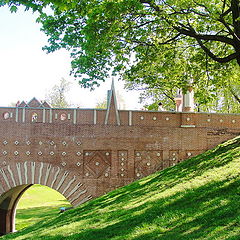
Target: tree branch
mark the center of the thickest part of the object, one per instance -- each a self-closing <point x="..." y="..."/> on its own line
<point x="214" y="57"/>
<point x="222" y="20"/>
<point x="192" y="33"/>
<point x="235" y="16"/>
<point x="168" y="96"/>
<point x="171" y="39"/>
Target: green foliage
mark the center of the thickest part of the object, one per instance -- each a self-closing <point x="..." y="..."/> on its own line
<point x="196" y="199"/>
<point x="160" y="45"/>
<point x="144" y="37"/>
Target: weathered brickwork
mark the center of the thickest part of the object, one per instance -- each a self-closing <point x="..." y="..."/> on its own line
<point x="84" y="153"/>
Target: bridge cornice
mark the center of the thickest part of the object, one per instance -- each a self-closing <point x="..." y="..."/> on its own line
<point x="77" y="116"/>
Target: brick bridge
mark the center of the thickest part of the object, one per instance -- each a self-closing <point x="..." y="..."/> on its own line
<point x="84" y="153"/>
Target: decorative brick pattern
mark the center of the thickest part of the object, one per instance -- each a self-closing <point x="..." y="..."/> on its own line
<point x="174" y="157"/>
<point x="123" y="163"/>
<point x="97" y="164"/>
<point x="147" y="162"/>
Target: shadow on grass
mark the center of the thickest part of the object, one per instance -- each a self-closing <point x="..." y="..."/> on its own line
<point x="29" y="216"/>
<point x="195" y="214"/>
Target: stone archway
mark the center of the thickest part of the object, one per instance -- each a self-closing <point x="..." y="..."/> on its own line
<point x="16" y="178"/>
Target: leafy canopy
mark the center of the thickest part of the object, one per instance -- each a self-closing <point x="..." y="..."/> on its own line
<point x="157" y="44"/>
<point x="109" y="36"/>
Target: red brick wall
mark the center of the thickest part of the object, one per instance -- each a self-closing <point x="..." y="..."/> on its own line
<point x="76" y="153"/>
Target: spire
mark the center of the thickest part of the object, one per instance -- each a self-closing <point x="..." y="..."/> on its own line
<point x="112" y="114"/>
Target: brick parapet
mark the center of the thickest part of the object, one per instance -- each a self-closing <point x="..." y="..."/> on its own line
<point x="127" y="118"/>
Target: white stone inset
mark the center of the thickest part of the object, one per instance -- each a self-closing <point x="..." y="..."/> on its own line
<point x="97" y="163"/>
<point x="233" y="121"/>
<point x="78" y="143"/>
<point x="142" y="117"/>
<point x="64" y="164"/>
<point x="188" y="119"/>
<point x="174" y="159"/>
<point x="174" y="154"/>
<point x="220" y="120"/>
<point x="158" y="154"/>
<point x="107" y="153"/>
<point x="122" y="154"/>
<point x="28" y="142"/>
<point x="122" y="174"/>
<point x="167" y="118"/>
<point x="28" y="153"/>
<point x="52" y="143"/>
<point x="5" y="142"/>
<point x="64" y="143"/>
<point x="122" y="159"/>
<point x="51" y="153"/>
<point x="16" y="142"/>
<point x="40" y="153"/>
<point x="40" y="142"/>
<point x="87" y="174"/>
<point x="148" y="164"/>
<point x="5" y="153"/>
<point x="138" y="154"/>
<point x="106" y="174"/>
<point x="64" y="153"/>
<point x="6" y="115"/>
<point x="138" y="174"/>
<point x="63" y="116"/>
<point x="154" y="118"/>
<point x="122" y="164"/>
<point x="209" y="120"/>
<point x="16" y="153"/>
<point x="4" y="163"/>
<point x="78" y="153"/>
<point x="78" y="164"/>
<point x="122" y="169"/>
<point x="189" y="154"/>
<point x="86" y="154"/>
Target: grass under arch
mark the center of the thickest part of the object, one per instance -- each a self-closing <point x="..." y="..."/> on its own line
<point x="196" y="199"/>
<point x="37" y="203"/>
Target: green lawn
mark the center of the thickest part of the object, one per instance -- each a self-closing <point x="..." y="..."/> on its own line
<point x="37" y="203"/>
<point x="196" y="199"/>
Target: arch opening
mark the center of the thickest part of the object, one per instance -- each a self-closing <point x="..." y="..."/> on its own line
<point x="27" y="204"/>
<point x="16" y="178"/>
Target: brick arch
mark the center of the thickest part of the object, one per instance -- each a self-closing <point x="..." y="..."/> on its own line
<point x="16" y="178"/>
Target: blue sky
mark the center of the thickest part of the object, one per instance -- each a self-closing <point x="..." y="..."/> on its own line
<point x="26" y="71"/>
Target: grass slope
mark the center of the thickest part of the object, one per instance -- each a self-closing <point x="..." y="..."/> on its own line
<point x="197" y="199"/>
<point x="38" y="203"/>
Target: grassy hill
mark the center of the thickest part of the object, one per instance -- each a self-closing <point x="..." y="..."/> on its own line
<point x="197" y="199"/>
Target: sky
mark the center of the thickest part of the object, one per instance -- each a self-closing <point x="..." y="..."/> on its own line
<point x="26" y="71"/>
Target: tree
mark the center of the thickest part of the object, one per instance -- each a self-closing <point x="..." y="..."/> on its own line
<point x="56" y="96"/>
<point x="104" y="35"/>
<point x="157" y="43"/>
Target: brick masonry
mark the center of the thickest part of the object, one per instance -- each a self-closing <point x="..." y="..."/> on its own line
<point x="84" y="153"/>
